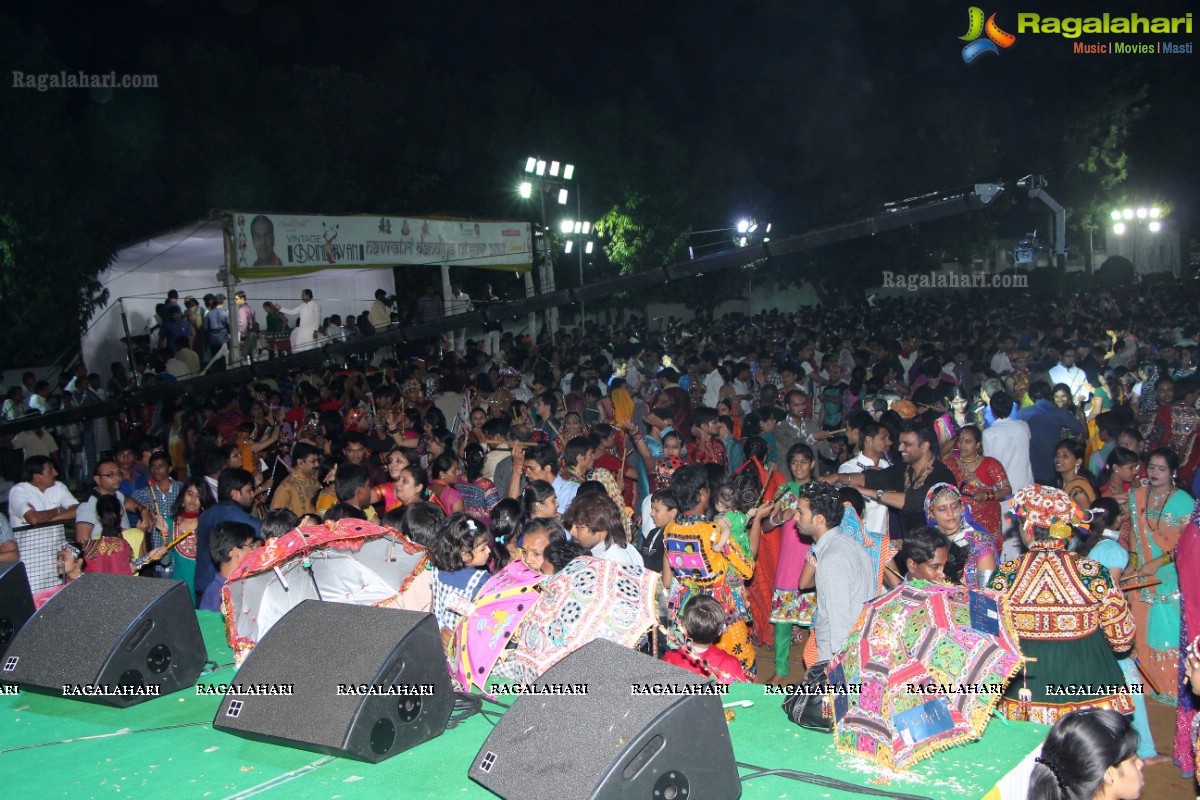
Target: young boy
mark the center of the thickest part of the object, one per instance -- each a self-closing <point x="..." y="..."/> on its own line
<point x="703" y="622"/>
<point x="663" y="511"/>
<point x="229" y="544"/>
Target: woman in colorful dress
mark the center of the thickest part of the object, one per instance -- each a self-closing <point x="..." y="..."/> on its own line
<point x="700" y="553"/>
<point x="479" y="494"/>
<point x="1187" y="560"/>
<point x="185" y="517"/>
<point x="1120" y="471"/>
<point x="1073" y="477"/>
<point x="1068" y="611"/>
<point x="444" y="472"/>
<point x="791" y="608"/>
<point x="949" y="424"/>
<point x="975" y="559"/>
<point x="981" y="479"/>
<point x="1158" y="512"/>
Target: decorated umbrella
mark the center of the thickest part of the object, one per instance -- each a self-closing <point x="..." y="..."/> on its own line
<point x="590" y="598"/>
<point x="348" y="561"/>
<point x="481" y="636"/>
<point x="957" y="644"/>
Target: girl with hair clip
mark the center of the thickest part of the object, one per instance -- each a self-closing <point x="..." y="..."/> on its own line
<point x="459" y="554"/>
<point x="1090" y="754"/>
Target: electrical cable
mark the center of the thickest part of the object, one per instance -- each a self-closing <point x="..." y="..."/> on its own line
<point x="828" y="783"/>
<point x="204" y="723"/>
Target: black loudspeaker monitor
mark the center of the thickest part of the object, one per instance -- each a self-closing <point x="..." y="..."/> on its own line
<point x="354" y="681"/>
<point x="110" y="639"/>
<point x="652" y="742"/>
<point x="16" y="602"/>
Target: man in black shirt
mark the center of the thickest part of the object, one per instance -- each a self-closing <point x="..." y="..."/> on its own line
<point x="903" y="487"/>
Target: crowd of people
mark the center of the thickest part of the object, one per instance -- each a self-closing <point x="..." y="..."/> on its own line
<point x="1005" y="442"/>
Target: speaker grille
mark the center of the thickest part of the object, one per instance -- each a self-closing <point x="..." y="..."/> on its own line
<point x="69" y="640"/>
<point x="16" y="602"/>
<point x="319" y="646"/>
<point x="548" y="747"/>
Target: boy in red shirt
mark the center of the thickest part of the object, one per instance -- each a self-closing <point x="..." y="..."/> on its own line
<point x="704" y="621"/>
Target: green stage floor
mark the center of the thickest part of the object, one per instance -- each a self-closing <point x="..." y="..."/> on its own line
<point x="167" y="748"/>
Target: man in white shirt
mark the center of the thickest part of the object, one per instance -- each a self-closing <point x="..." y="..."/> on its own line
<point x="40" y="498"/>
<point x="1007" y="441"/>
<point x="712" y="379"/>
<point x="308" y="328"/>
<point x="1000" y="362"/>
<point x="874" y="443"/>
<point x="1066" y="372"/>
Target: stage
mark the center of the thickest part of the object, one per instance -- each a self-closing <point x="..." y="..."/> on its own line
<point x="167" y="747"/>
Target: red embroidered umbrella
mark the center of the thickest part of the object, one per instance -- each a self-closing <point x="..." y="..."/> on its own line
<point x="348" y="561"/>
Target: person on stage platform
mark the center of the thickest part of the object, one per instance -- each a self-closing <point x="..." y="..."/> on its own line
<point x="72" y="562"/>
<point x="1070" y="614"/>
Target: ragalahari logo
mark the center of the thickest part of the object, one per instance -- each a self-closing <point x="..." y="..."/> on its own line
<point x="996" y="38"/>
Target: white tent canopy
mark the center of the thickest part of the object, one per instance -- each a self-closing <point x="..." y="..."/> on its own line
<point x="188" y="259"/>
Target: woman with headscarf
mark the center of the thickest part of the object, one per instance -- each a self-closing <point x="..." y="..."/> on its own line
<point x="1069" y="613"/>
<point x="973" y="558"/>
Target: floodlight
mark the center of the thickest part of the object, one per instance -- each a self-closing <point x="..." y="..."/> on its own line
<point x="753" y="227"/>
<point x="1127" y="213"/>
<point x="1155" y="226"/>
<point x="569" y="246"/>
<point x="567" y="226"/>
<point x="1155" y="212"/>
<point x="1116" y="215"/>
<point x="1119" y="228"/>
<point x="588" y="249"/>
<point x="587" y="228"/>
<point x="554" y="168"/>
<point x="768" y="230"/>
<point x="530" y="164"/>
<point x="743" y="225"/>
<point x="568" y="171"/>
<point x="540" y="169"/>
<point x="562" y="197"/>
<point x="578" y="227"/>
<point x="526" y="189"/>
<point x="1142" y="213"/>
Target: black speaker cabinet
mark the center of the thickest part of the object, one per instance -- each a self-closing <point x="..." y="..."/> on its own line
<point x="16" y="602"/>
<point x="354" y="681"/>
<point x="615" y="742"/>
<point x="110" y="639"/>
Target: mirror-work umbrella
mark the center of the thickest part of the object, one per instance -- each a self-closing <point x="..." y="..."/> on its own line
<point x="501" y="605"/>
<point x="348" y="561"/>
<point x="591" y="598"/>
<point x="921" y="672"/>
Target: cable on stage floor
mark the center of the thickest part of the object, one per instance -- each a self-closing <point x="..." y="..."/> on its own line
<point x="828" y="783"/>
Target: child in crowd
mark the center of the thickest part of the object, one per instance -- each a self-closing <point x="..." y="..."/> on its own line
<point x="279" y="521"/>
<point x="663" y="511"/>
<point x="459" y="552"/>
<point x="559" y="552"/>
<point x="703" y="623"/>
<point x="229" y="544"/>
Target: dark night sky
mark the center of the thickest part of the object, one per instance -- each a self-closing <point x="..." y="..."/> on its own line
<point x="719" y="72"/>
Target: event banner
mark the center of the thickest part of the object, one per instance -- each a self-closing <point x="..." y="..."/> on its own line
<point x="272" y="245"/>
